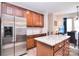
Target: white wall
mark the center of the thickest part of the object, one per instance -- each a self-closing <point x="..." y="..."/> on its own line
<point x="37" y="30"/>
<point x="50" y="23"/>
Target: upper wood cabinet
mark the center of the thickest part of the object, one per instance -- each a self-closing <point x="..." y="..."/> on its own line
<point x="7" y="9"/>
<point x="29" y="18"/>
<point x="34" y="19"/>
<point x="18" y="12"/>
<point x="12" y="10"/>
<point x="4" y="8"/>
<point x="41" y="22"/>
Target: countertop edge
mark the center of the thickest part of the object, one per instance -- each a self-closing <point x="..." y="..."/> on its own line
<point x="54" y="42"/>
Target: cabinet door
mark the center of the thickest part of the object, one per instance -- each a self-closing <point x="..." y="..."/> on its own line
<point x="34" y="19"/>
<point x="4" y="8"/>
<point x="59" y="52"/>
<point x="66" y="51"/>
<point x="9" y="9"/>
<point x="37" y="20"/>
<point x="18" y="12"/>
<point x="41" y="22"/>
<point x="29" y="18"/>
<point x="30" y="43"/>
<point x="66" y="48"/>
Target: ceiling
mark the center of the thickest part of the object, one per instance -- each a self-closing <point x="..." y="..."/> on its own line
<point x="48" y="6"/>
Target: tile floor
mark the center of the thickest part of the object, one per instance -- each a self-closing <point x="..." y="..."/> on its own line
<point x="8" y="50"/>
<point x="31" y="52"/>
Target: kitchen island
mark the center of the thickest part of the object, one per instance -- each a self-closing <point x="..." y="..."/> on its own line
<point x="52" y="45"/>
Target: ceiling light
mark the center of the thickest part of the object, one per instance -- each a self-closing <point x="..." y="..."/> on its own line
<point x="77" y="13"/>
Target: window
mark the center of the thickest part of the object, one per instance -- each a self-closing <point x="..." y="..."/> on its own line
<point x="76" y="25"/>
<point x="69" y="25"/>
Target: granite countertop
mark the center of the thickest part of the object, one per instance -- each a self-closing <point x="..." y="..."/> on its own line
<point x="52" y="39"/>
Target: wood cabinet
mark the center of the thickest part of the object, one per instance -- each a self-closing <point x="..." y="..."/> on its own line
<point x="31" y="42"/>
<point x="59" y="52"/>
<point x="4" y="8"/>
<point x="41" y="22"/>
<point x="18" y="12"/>
<point x="34" y="19"/>
<point x="44" y="50"/>
<point x="7" y="9"/>
<point x="58" y="46"/>
<point x="38" y="20"/>
<point x="60" y="49"/>
<point x="12" y="10"/>
<point x="66" y="48"/>
<point x="29" y="18"/>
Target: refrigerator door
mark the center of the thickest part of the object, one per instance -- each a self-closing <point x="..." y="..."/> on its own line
<point x="7" y="26"/>
<point x="20" y="36"/>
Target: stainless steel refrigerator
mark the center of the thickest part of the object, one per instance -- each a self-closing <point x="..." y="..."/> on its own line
<point x="13" y="35"/>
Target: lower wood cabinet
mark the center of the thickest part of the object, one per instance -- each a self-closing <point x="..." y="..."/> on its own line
<point x="60" y="49"/>
<point x="66" y="48"/>
<point x="30" y="42"/>
<point x="58" y="46"/>
<point x="59" y="52"/>
<point x="44" y="50"/>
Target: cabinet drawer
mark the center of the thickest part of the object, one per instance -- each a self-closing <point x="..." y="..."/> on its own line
<point x="58" y="46"/>
<point x="59" y="52"/>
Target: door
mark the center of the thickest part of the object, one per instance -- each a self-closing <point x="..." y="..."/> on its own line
<point x="20" y="36"/>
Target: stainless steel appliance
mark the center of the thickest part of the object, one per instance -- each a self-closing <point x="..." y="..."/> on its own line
<point x="13" y="35"/>
<point x="20" y="35"/>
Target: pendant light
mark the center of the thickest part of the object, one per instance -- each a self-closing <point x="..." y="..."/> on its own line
<point x="77" y="13"/>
